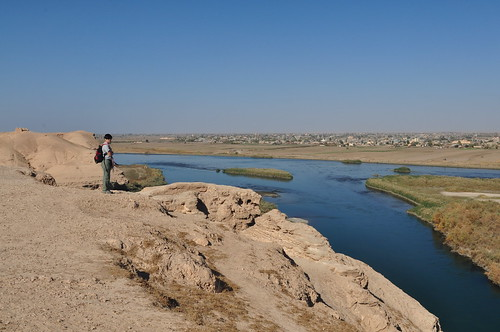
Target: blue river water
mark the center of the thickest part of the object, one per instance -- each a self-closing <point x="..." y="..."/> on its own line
<point x="364" y="224"/>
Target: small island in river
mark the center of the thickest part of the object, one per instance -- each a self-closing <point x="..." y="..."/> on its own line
<point x="402" y="170"/>
<point x="268" y="173"/>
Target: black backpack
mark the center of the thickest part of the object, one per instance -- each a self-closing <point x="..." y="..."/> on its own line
<point x="99" y="156"/>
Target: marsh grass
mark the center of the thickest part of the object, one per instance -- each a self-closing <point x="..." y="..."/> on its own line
<point x="471" y="227"/>
<point x="307" y="317"/>
<point x="261" y="156"/>
<point x="266" y="206"/>
<point x="268" y="173"/>
<point x="351" y="161"/>
<point x="403" y="169"/>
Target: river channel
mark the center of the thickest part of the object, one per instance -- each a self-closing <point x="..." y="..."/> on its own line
<point x="364" y="224"/>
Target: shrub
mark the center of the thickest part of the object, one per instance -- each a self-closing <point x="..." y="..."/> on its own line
<point x="266" y="206"/>
<point x="351" y="161"/>
<point x="140" y="176"/>
<point x="402" y="170"/>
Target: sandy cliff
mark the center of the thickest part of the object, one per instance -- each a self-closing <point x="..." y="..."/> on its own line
<point x="65" y="156"/>
<point x="180" y="257"/>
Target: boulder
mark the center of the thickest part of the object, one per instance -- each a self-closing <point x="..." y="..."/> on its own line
<point x="160" y="261"/>
<point x="235" y="207"/>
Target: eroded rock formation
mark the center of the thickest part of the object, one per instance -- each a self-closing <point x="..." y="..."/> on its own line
<point x="232" y="206"/>
<point x="159" y="260"/>
<point x="294" y="259"/>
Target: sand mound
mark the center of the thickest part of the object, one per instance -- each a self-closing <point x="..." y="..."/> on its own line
<point x="68" y="157"/>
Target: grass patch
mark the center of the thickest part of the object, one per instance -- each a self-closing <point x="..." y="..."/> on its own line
<point x="140" y="176"/>
<point x="308" y="317"/>
<point x="404" y="170"/>
<point x="470" y="227"/>
<point x="351" y="161"/>
<point x="268" y="173"/>
<point x="266" y="206"/>
<point x="261" y="156"/>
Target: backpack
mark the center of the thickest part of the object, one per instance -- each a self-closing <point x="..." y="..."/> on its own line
<point x="99" y="156"/>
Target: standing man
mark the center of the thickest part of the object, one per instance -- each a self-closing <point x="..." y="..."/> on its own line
<point x="107" y="164"/>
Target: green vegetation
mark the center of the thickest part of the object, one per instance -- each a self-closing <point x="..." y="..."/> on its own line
<point x="351" y="161"/>
<point x="403" y="169"/>
<point x="268" y="173"/>
<point x="266" y="206"/>
<point x="261" y="156"/>
<point x="471" y="227"/>
<point x="140" y="176"/>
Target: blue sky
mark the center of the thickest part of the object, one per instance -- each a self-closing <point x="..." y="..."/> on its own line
<point x="250" y="66"/>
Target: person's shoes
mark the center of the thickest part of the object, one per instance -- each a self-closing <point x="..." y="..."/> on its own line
<point x="107" y="192"/>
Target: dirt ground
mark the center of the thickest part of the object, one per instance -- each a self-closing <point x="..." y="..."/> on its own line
<point x="54" y="274"/>
<point x="471" y="158"/>
<point x="60" y="274"/>
<point x="475" y="195"/>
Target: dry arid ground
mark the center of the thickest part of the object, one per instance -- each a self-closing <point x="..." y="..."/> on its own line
<point x="75" y="259"/>
<point x="179" y="257"/>
<point x="473" y="158"/>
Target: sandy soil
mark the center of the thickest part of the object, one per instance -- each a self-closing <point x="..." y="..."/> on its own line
<point x="473" y="158"/>
<point x="476" y="195"/>
<point x="54" y="274"/>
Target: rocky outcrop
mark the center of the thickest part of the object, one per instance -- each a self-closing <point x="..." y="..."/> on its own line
<point x="160" y="260"/>
<point x="351" y="287"/>
<point x="299" y="261"/>
<point x="232" y="206"/>
<point x="39" y="176"/>
<point x="286" y="276"/>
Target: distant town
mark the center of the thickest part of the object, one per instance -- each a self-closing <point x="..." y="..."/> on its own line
<point x="438" y="140"/>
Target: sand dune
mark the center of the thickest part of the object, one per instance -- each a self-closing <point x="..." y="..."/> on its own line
<point x="68" y="157"/>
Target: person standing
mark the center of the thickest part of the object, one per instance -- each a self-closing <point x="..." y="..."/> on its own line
<point x="107" y="164"/>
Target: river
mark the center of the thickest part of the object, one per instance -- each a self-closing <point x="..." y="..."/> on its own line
<point x="367" y="225"/>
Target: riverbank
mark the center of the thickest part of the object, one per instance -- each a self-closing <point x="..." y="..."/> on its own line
<point x="470" y="223"/>
<point x="425" y="156"/>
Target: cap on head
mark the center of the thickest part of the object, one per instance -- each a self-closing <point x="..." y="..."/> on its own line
<point x="108" y="136"/>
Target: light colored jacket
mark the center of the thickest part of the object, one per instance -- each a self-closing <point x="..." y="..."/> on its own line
<point x="106" y="148"/>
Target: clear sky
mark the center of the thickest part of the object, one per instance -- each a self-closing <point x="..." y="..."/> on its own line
<point x="252" y="66"/>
